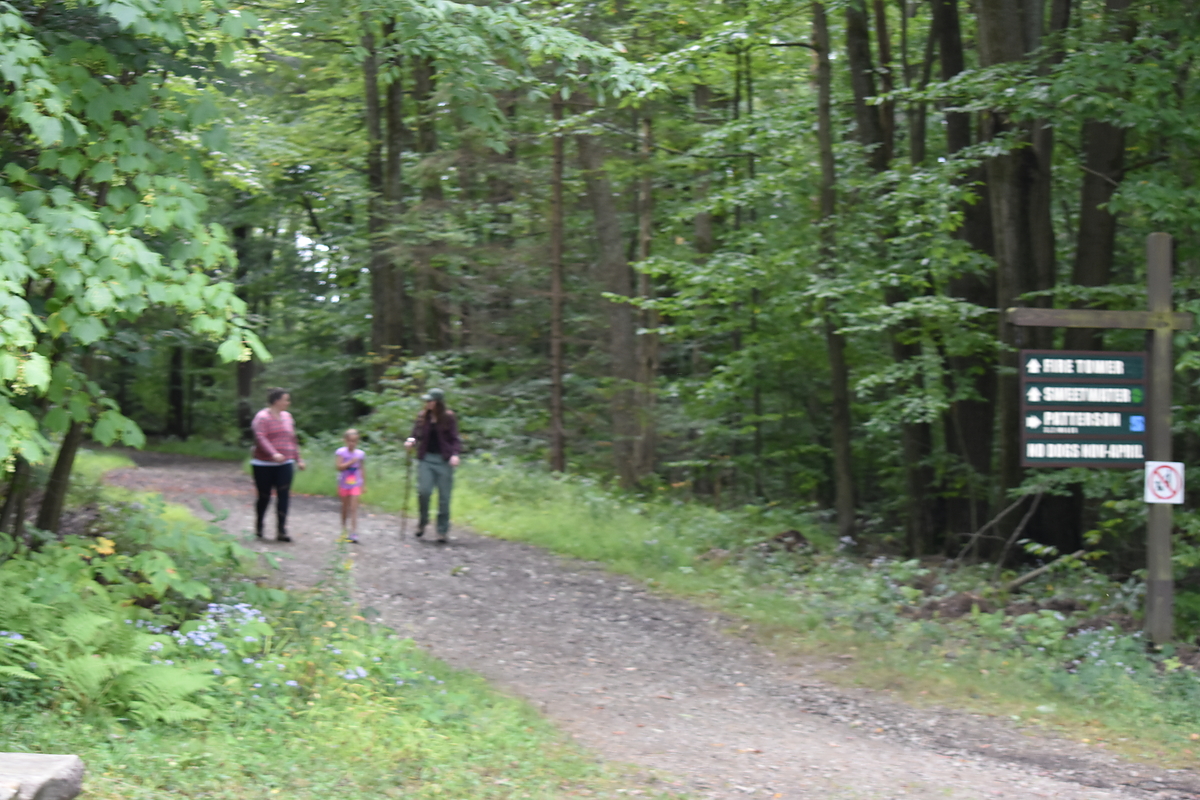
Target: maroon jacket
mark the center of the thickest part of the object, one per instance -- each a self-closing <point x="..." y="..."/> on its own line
<point x="448" y="439"/>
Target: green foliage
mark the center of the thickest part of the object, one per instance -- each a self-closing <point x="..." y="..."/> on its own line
<point x="924" y="625"/>
<point x="125" y="663"/>
<point x="407" y="726"/>
<point x="200" y="448"/>
<point x="308" y="684"/>
<point x="99" y="220"/>
<point x="72" y="605"/>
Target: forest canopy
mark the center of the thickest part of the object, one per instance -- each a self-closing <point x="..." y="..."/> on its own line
<point x="753" y="251"/>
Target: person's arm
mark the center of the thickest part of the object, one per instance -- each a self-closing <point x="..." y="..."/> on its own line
<point x="452" y="440"/>
<point x="260" y="438"/>
<point x="415" y="435"/>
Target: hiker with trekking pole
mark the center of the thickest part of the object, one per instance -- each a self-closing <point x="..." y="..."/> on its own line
<point x="407" y="491"/>
<point x="435" y="437"/>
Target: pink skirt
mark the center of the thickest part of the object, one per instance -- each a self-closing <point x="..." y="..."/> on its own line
<point x="352" y="491"/>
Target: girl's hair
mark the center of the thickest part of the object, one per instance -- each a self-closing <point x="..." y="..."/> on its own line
<point x="438" y="411"/>
<point x="350" y="431"/>
<point x="274" y="394"/>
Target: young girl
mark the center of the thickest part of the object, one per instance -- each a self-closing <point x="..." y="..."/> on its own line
<point x="352" y="477"/>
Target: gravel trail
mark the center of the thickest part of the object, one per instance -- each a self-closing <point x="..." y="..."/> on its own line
<point x="657" y="682"/>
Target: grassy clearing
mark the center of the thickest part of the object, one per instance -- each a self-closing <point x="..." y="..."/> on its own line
<point x="200" y="448"/>
<point x="212" y="685"/>
<point x="1100" y="687"/>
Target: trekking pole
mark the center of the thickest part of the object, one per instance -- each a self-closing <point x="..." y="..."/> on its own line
<point x="407" y="492"/>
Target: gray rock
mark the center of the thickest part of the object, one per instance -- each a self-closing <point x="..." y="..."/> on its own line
<point x="34" y="776"/>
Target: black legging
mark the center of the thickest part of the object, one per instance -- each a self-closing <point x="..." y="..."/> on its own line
<point x="278" y="477"/>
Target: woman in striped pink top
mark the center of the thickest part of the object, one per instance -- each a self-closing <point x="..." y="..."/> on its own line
<point x="276" y="453"/>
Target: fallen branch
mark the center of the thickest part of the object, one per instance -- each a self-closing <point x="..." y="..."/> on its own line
<point x="1015" y="534"/>
<point x="1037" y="573"/>
<point x="975" y="537"/>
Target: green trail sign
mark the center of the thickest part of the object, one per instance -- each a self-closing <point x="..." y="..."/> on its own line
<point x="1076" y="394"/>
<point x="1066" y="364"/>
<point x="1123" y="403"/>
<point x="1075" y="423"/>
<point x="1083" y="408"/>
<point x="1108" y="453"/>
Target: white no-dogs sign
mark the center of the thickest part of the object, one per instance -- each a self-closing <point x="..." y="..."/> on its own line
<point x="1164" y="482"/>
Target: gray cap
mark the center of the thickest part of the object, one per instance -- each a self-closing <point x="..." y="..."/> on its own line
<point x="434" y="394"/>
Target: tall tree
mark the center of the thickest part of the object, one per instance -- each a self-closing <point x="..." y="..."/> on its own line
<point x="835" y="340"/>
<point x="1103" y="148"/>
<point x="558" y="436"/>
<point x="617" y="280"/>
<point x="1009" y="31"/>
<point x="644" y="455"/>
<point x="384" y="311"/>
<point x="971" y="422"/>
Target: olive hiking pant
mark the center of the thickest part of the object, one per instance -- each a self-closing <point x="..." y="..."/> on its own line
<point x="434" y="472"/>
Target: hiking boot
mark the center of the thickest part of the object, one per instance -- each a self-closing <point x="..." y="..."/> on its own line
<point x="420" y="532"/>
<point x="283" y="537"/>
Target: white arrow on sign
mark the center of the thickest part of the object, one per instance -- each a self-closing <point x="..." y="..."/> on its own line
<point x="1033" y="367"/>
<point x="1033" y="421"/>
<point x="1034" y="394"/>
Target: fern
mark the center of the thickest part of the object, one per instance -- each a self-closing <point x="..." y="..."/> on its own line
<point x="75" y="622"/>
<point x="78" y="631"/>
<point x="17" y="672"/>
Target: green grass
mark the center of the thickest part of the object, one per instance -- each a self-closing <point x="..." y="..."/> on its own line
<point x="91" y="465"/>
<point x="319" y="702"/>
<point x="443" y="734"/>
<point x="825" y="605"/>
<point x="200" y="448"/>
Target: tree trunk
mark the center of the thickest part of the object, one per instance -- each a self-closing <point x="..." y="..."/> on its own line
<point x="615" y="272"/>
<point x="1103" y="170"/>
<point x="244" y="370"/>
<point x="501" y="193"/>
<point x="424" y="87"/>
<point x="12" y="513"/>
<point x="835" y="342"/>
<point x="175" y="393"/>
<point x="558" y="437"/>
<point x="887" y="81"/>
<point x="971" y="422"/>
<point x="917" y="137"/>
<point x="395" y="135"/>
<point x="382" y="285"/>
<point x="916" y="437"/>
<point x="702" y="223"/>
<point x="647" y="342"/>
<point x="1041" y="193"/>
<point x="862" y="80"/>
<point x="245" y="387"/>
<point x="50" y="513"/>
<point x="429" y="315"/>
<point x="1017" y="182"/>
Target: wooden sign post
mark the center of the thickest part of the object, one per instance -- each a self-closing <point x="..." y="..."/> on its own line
<point x="1161" y="322"/>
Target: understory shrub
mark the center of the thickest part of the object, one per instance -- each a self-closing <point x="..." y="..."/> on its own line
<point x="150" y="647"/>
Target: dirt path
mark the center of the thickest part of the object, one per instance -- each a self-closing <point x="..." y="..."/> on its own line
<point x="657" y="682"/>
